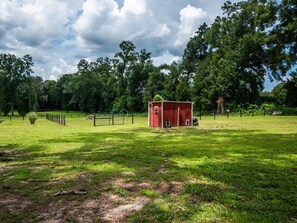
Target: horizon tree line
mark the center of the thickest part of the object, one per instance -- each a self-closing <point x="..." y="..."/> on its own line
<point x="226" y="61"/>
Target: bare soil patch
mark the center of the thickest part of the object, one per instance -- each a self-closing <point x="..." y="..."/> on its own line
<point x="107" y="208"/>
<point x="14" y="203"/>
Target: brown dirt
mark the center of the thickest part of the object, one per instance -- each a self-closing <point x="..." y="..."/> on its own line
<point x="107" y="208"/>
<point x="119" y="214"/>
<point x="14" y="203"/>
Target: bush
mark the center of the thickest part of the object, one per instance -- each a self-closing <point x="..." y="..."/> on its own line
<point x="288" y="111"/>
<point x="119" y="104"/>
<point x="158" y="98"/>
<point x="32" y="116"/>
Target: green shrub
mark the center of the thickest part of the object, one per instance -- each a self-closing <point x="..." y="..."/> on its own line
<point x="158" y="98"/>
<point x="32" y="116"/>
<point x="288" y="111"/>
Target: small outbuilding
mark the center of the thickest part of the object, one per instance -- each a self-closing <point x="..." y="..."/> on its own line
<point x="165" y="114"/>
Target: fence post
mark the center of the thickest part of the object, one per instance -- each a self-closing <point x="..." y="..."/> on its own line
<point x="112" y="119"/>
<point x="132" y="118"/>
<point x="214" y="114"/>
<point x="94" y="120"/>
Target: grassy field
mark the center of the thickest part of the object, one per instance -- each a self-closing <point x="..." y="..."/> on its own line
<point x="225" y="170"/>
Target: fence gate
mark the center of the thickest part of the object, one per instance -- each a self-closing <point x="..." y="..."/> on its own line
<point x="108" y="119"/>
<point x="101" y="119"/>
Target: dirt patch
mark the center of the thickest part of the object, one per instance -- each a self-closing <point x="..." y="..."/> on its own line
<point x="172" y="188"/>
<point x="5" y="169"/>
<point x="14" y="203"/>
<point x="10" y="155"/>
<point x="121" y="183"/>
<point x="65" y="211"/>
<point x="132" y="186"/>
<point x="84" y="176"/>
<point x="128" y="174"/>
<point x="6" y="156"/>
<point x="107" y="208"/>
<point x="176" y="187"/>
<point x="120" y="213"/>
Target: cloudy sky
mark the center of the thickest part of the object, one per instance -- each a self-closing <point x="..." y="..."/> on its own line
<point x="58" y="33"/>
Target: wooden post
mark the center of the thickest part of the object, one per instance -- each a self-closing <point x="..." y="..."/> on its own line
<point x="112" y="122"/>
<point x="178" y="111"/>
<point x="214" y="114"/>
<point x="132" y="118"/>
<point x="94" y="120"/>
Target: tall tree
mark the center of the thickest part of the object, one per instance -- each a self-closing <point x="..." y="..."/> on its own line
<point x="13" y="71"/>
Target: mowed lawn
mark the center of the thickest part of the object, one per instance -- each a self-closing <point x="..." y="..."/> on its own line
<point x="225" y="170"/>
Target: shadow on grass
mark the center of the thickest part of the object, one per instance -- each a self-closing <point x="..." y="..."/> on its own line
<point x="228" y="175"/>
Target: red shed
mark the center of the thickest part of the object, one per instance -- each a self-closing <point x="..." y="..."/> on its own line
<point x="166" y="114"/>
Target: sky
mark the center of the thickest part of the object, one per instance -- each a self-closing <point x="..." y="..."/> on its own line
<point x="58" y="33"/>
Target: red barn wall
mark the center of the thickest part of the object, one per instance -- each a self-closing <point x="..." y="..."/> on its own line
<point x="155" y="118"/>
<point x="168" y="111"/>
<point x="177" y="118"/>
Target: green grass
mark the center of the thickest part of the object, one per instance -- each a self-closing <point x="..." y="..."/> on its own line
<point x="225" y="170"/>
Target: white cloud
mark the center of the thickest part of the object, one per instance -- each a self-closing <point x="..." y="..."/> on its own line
<point x="53" y="77"/>
<point x="103" y="24"/>
<point x="134" y="8"/>
<point x="166" y="57"/>
<point x="63" y="68"/>
<point x="34" y="23"/>
<point x="57" y="33"/>
<point x="190" y="18"/>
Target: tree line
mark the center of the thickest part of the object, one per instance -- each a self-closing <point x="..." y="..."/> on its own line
<point x="223" y="63"/>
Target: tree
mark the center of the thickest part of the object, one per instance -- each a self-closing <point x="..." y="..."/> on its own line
<point x="122" y="61"/>
<point x="23" y="94"/>
<point x="291" y="88"/>
<point x="231" y="57"/>
<point x="137" y="76"/>
<point x="171" y="81"/>
<point x="13" y="71"/>
<point x="154" y="84"/>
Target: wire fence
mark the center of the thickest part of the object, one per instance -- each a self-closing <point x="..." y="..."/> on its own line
<point x="59" y="119"/>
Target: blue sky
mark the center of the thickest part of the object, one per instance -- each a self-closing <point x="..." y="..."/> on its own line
<point x="58" y="33"/>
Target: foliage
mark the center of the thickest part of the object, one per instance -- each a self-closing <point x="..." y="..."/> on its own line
<point x="288" y="111"/>
<point x="32" y="116"/>
<point x="13" y="72"/>
<point x="158" y="98"/>
<point x="231" y="57"/>
<point x="119" y="104"/>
